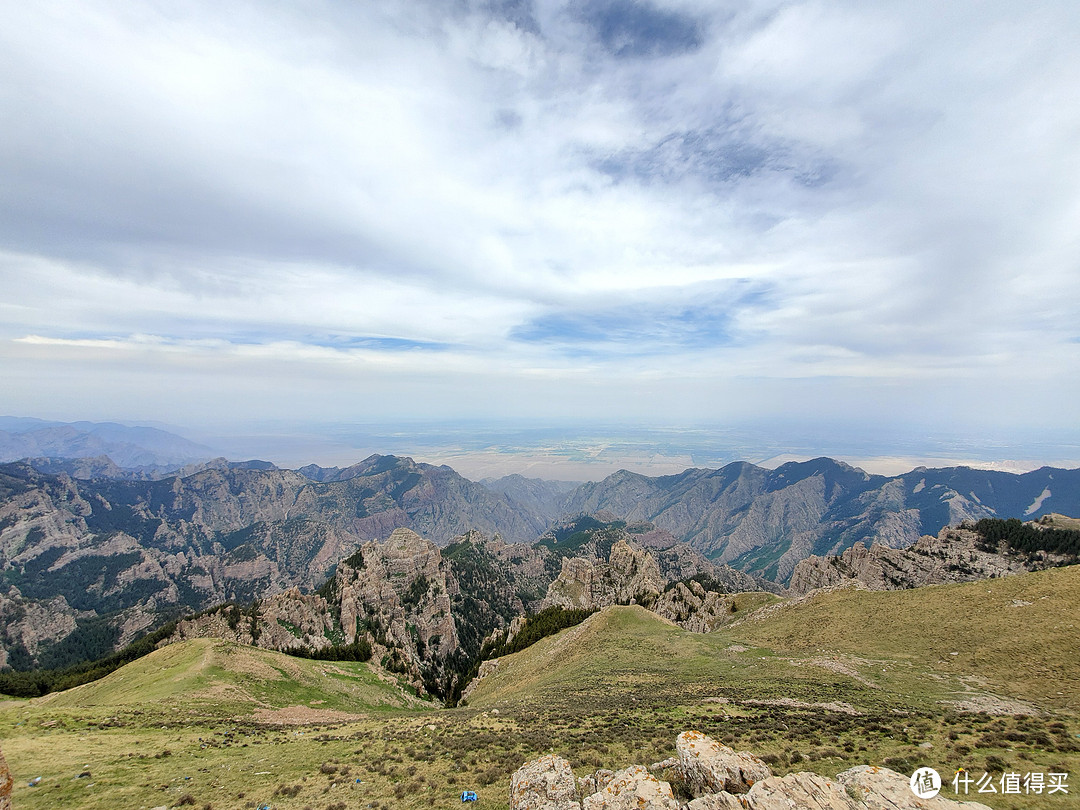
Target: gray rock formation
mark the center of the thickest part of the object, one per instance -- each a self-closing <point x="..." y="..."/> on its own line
<point x="706" y="766"/>
<point x="804" y="790"/>
<point x="720" y="780"/>
<point x="883" y="789"/>
<point x="632" y="788"/>
<point x="630" y="576"/>
<point x="689" y="605"/>
<point x="29" y="624"/>
<point x="954" y="555"/>
<point x="397" y="595"/>
<point x="546" y="783"/>
<point x="678" y="560"/>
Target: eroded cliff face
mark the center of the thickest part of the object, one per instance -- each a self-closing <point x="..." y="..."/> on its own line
<point x="690" y="605"/>
<point x="630" y="575"/>
<point x="395" y="595"/>
<point x="401" y="595"/>
<point x="413" y="605"/>
<point x="28" y="625"/>
<point x="954" y="555"/>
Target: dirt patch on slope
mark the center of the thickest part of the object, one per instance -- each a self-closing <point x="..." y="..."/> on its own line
<point x="303" y="716"/>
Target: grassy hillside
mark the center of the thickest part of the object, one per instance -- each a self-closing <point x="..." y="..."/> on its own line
<point x="1013" y="639"/>
<point x="1018" y="636"/>
<point x="223" y="676"/>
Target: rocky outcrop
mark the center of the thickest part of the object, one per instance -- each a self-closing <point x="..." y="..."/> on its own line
<point x="954" y="555"/>
<point x="546" y="783"/>
<point x="632" y="788"/>
<point x="6" y="784"/>
<point x="26" y="624"/>
<point x="720" y="779"/>
<point x="395" y="595"/>
<point x="706" y="766"/>
<point x="689" y="605"/>
<point x="629" y="576"/>
<point x="883" y="789"/>
<point x="679" y="561"/>
<point x="805" y="791"/>
<point x="286" y="621"/>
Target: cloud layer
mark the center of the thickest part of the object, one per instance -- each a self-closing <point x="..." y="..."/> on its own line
<point x="663" y="210"/>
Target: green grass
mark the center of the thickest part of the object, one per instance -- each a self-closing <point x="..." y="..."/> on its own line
<point x="204" y="718"/>
<point x="1029" y="652"/>
<point x="211" y="672"/>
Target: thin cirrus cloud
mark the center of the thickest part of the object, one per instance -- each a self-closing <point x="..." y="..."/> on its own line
<point x="500" y="191"/>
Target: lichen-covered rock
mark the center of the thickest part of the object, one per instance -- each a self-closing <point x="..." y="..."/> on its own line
<point x="595" y="782"/>
<point x="706" y="766"/>
<point x="6" y="783"/>
<point x="862" y="788"/>
<point x="883" y="789"/>
<point x="804" y="791"/>
<point x="723" y="780"/>
<point x="717" y="801"/>
<point x="546" y="783"/>
<point x="633" y="788"/>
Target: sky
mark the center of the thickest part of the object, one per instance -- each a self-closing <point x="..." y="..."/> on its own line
<point x="671" y="212"/>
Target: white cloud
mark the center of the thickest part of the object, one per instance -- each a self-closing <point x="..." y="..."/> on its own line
<point x="258" y="186"/>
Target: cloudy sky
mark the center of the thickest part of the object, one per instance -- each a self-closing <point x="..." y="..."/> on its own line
<point x="659" y="211"/>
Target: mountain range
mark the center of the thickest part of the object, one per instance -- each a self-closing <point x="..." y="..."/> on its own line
<point x="90" y="562"/>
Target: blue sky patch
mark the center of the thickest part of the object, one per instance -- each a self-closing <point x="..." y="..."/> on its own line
<point x="641" y="328"/>
<point x="629" y="29"/>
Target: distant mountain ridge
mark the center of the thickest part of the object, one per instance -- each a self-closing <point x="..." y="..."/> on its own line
<point x="124" y="445"/>
<point x="765" y="521"/>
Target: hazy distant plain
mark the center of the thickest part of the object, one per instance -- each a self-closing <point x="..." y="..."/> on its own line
<point x="590" y="452"/>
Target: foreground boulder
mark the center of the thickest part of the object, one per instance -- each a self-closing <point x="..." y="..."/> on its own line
<point x="546" y="783"/>
<point x="882" y="789"/>
<point x="805" y="791"/>
<point x="633" y="788"/>
<point x="706" y="766"/>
